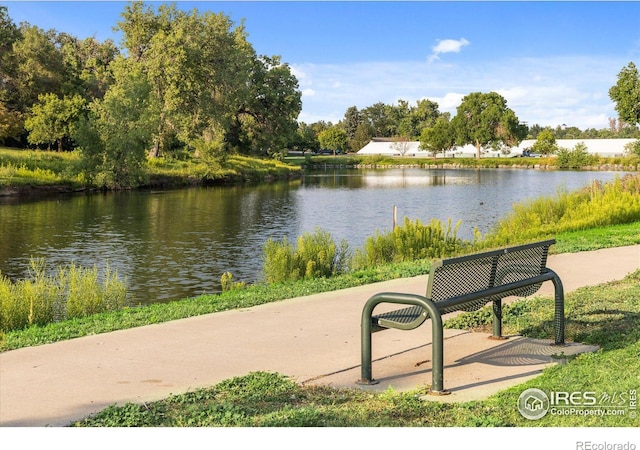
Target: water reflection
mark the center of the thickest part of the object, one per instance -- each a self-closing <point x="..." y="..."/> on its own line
<point x="176" y="244"/>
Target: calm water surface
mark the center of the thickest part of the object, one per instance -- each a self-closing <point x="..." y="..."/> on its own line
<point x="177" y="244"/>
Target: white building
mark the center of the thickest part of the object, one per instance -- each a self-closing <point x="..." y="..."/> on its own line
<point x="602" y="147"/>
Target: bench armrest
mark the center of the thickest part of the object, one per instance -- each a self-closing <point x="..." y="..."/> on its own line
<point x="404" y="319"/>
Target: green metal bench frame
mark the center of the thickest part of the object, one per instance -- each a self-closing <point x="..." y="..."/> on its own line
<point x="464" y="283"/>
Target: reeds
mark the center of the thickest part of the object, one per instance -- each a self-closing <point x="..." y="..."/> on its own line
<point x="72" y="292"/>
<point x="410" y="241"/>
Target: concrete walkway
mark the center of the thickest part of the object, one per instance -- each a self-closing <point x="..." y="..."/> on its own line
<point x="314" y="339"/>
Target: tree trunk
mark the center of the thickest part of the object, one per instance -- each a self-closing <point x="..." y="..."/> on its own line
<point x="155" y="150"/>
<point x="478" y="150"/>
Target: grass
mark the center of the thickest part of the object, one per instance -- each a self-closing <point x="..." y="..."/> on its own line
<point x="36" y="169"/>
<point x="264" y="399"/>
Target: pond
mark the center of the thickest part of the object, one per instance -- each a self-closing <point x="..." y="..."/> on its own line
<point x="177" y="244"/>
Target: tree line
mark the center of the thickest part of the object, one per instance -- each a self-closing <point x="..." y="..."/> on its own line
<point x="180" y="81"/>
<point x="190" y="83"/>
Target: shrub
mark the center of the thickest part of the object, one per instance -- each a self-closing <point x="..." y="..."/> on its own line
<point x="576" y="158"/>
<point x="228" y="284"/>
<point x="411" y="241"/>
<point x="316" y="256"/>
<point x="72" y="292"/>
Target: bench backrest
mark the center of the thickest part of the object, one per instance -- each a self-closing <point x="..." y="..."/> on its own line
<point x="454" y="277"/>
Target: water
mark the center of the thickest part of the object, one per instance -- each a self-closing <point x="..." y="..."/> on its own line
<point x="177" y="244"/>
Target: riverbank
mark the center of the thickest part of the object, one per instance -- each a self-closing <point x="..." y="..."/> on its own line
<point x="43" y="173"/>
<point x="253" y="295"/>
<point x="626" y="164"/>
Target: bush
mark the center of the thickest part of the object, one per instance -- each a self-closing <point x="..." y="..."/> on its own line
<point x="411" y="241"/>
<point x="575" y="159"/>
<point x="316" y="256"/>
<point x="633" y="148"/>
<point x="73" y="292"/>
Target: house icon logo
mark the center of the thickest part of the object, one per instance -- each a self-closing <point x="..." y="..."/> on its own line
<point x="533" y="404"/>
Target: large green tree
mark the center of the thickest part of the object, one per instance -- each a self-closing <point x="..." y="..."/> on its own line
<point x="53" y="119"/>
<point x="266" y="116"/>
<point x="438" y="138"/>
<point x="39" y="66"/>
<point x="484" y="120"/>
<point x="211" y="89"/>
<point x="626" y="94"/>
<point x="114" y="139"/>
<point x="334" y="138"/>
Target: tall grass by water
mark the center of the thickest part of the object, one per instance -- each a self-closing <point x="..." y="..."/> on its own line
<point x="316" y="255"/>
<point x="72" y="292"/>
<point x="410" y="241"/>
<point x="597" y="205"/>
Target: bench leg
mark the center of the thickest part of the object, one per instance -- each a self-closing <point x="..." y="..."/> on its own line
<point x="365" y="350"/>
<point x="437" y="343"/>
<point x="497" y="320"/>
<point x="559" y="309"/>
<point x="437" y="358"/>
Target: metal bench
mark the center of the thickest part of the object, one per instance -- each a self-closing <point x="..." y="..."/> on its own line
<point x="464" y="283"/>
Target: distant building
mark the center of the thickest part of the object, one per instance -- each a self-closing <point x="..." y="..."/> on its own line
<point x="387" y="147"/>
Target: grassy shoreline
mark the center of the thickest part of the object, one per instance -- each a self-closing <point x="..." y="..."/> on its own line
<point x="620" y="235"/>
<point x="36" y="172"/>
<point x="31" y="172"/>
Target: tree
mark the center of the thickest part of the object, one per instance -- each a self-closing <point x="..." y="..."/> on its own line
<point x="9" y="34"/>
<point x="401" y="145"/>
<point x="362" y="136"/>
<point x="352" y="118"/>
<point x="633" y="148"/>
<point x="198" y="67"/>
<point x="11" y="123"/>
<point x="441" y="137"/>
<point x="306" y="138"/>
<point x="485" y="121"/>
<point x="333" y="138"/>
<point x="626" y="94"/>
<point x="422" y="116"/>
<point x="268" y="116"/>
<point x="210" y="87"/>
<point x="545" y="143"/>
<point x="377" y="116"/>
<point x="114" y="138"/>
<point x="52" y="119"/>
<point x="39" y="66"/>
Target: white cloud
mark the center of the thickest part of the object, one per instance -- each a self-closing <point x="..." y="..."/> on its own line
<point x="447" y="46"/>
<point x="448" y="102"/>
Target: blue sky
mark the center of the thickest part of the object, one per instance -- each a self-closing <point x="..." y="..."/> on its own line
<point x="554" y="62"/>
